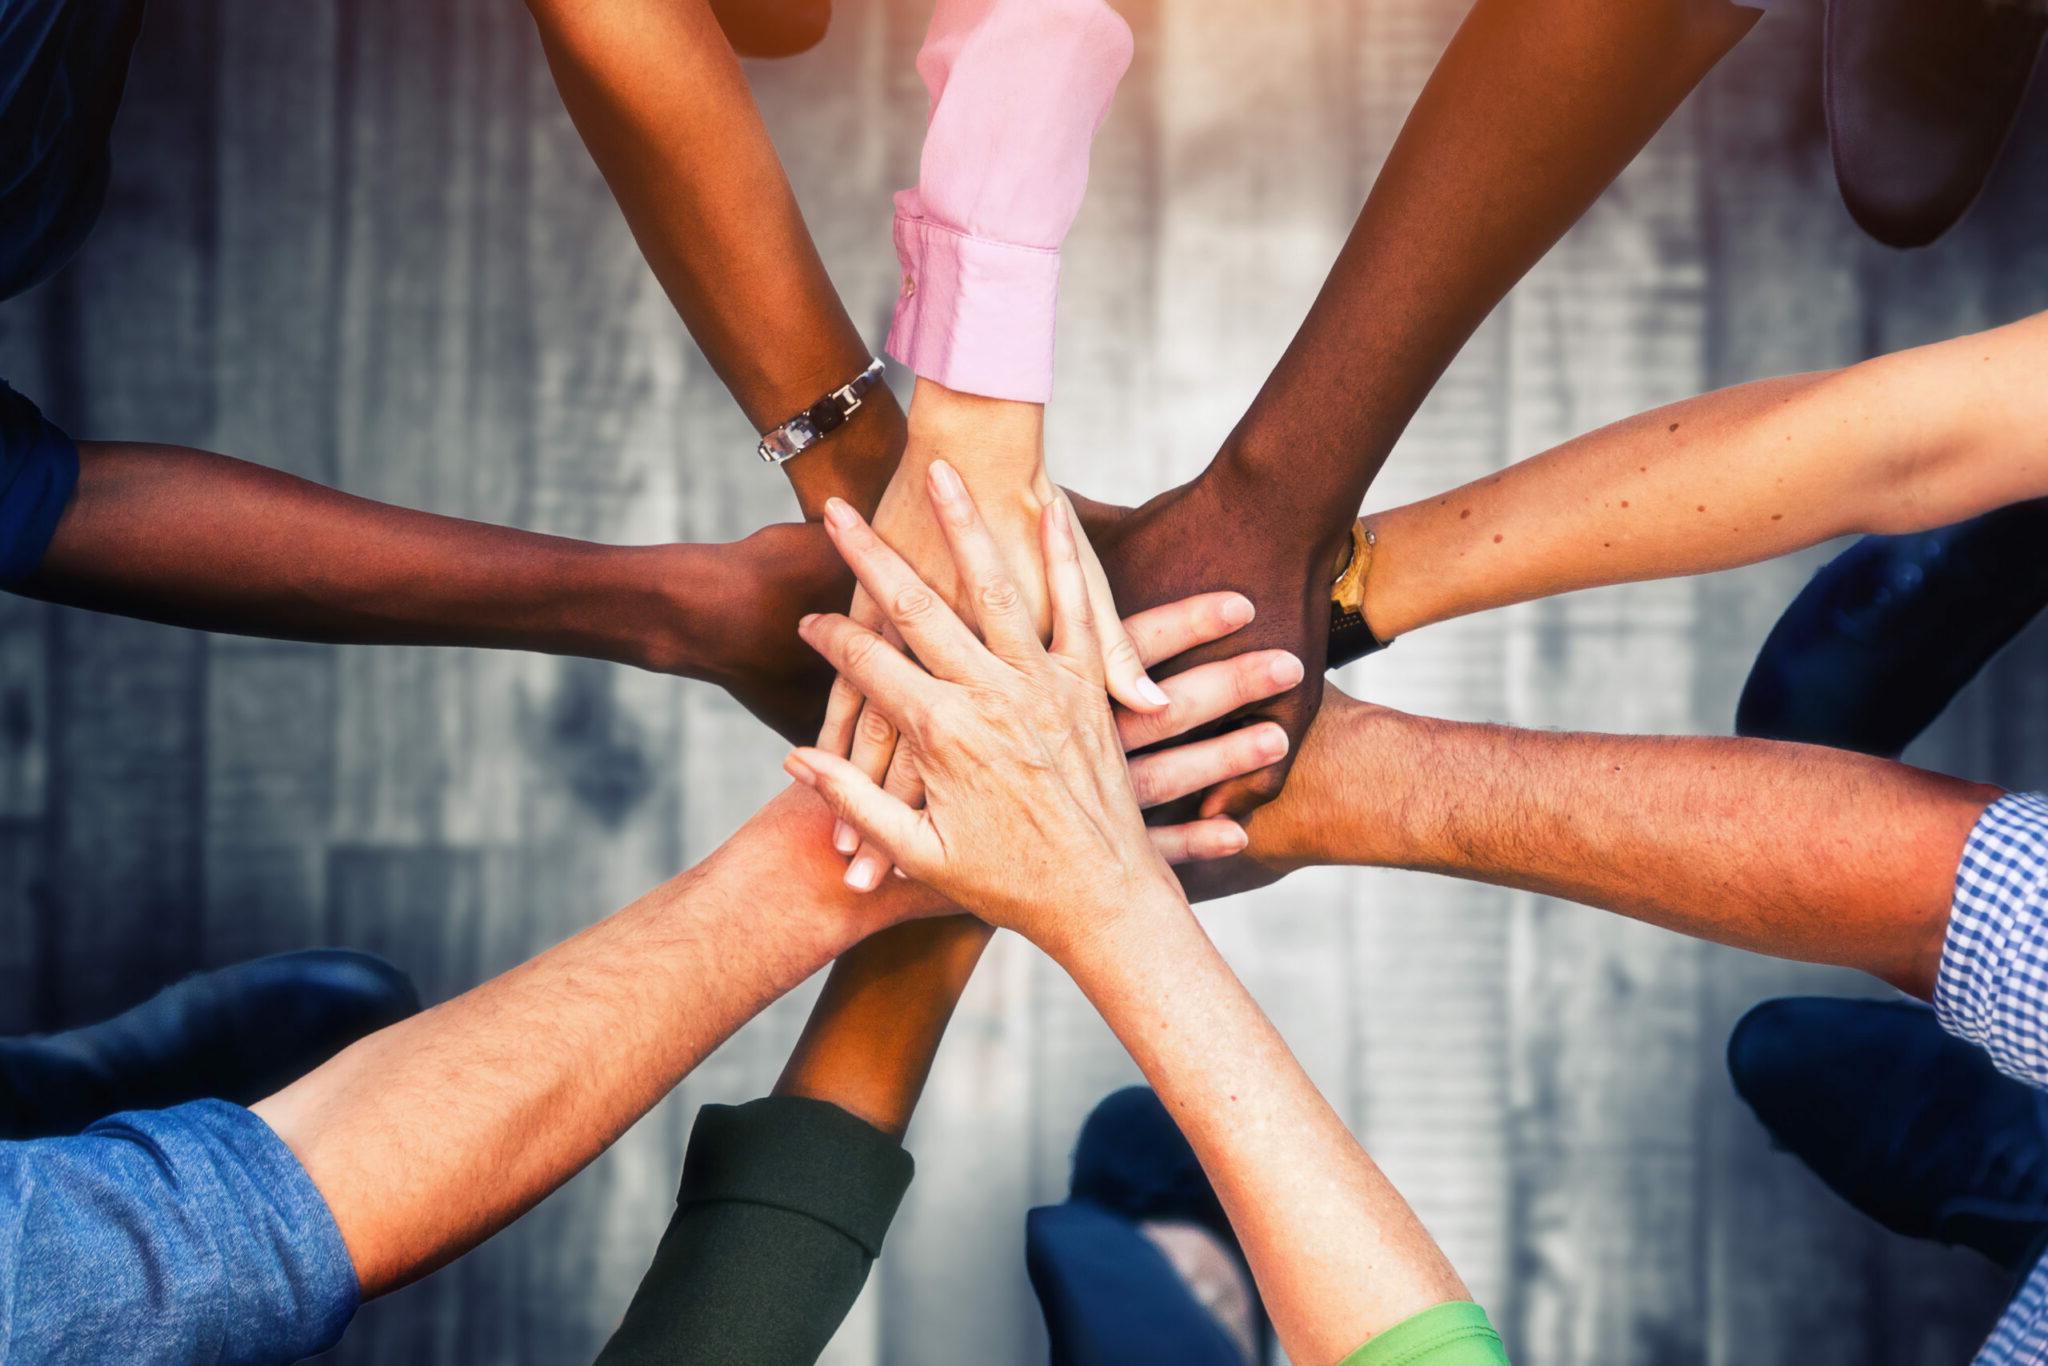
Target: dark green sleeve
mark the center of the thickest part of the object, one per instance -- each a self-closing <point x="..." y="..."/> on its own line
<point x="1454" y="1334"/>
<point x="783" y="1208"/>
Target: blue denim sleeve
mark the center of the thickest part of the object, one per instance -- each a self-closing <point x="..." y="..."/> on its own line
<point x="38" y="474"/>
<point x="182" y="1235"/>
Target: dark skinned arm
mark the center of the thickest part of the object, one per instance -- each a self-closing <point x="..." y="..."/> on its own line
<point x="660" y="100"/>
<point x="1533" y="110"/>
<point x="205" y="541"/>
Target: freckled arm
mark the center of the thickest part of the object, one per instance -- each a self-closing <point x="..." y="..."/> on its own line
<point x="1905" y="442"/>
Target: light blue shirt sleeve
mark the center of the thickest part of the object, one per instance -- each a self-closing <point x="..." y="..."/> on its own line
<point x="182" y="1235"/>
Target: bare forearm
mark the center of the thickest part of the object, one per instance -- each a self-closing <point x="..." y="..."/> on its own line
<point x="871" y="1038"/>
<point x="1789" y="850"/>
<point x="428" y="1136"/>
<point x="1902" y="443"/>
<point x="205" y="541"/>
<point x="1535" y="107"/>
<point x="660" y="100"/>
<point x="1337" y="1253"/>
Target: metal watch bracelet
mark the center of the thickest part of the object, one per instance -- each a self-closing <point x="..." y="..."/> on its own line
<point x="821" y="419"/>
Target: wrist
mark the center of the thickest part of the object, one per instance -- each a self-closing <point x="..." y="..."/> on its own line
<point x="1132" y="909"/>
<point x="1352" y="797"/>
<point x="994" y="443"/>
<point x="856" y="462"/>
<point x="1320" y="518"/>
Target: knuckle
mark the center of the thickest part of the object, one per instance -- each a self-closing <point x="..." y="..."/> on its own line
<point x="874" y="728"/>
<point x="912" y="603"/>
<point x="1000" y="596"/>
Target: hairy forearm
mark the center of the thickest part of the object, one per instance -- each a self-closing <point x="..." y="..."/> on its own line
<point x="1337" y="1253"/>
<point x="428" y="1136"/>
<point x="659" y="98"/>
<point x="1534" y="108"/>
<point x="1789" y="850"/>
<point x="1906" y="442"/>
<point x="202" y="540"/>
<point x="869" y="1044"/>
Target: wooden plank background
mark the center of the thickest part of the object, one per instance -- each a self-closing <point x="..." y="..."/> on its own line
<point x="359" y="240"/>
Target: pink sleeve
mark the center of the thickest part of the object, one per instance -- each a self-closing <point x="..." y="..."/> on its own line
<point x="1018" y="88"/>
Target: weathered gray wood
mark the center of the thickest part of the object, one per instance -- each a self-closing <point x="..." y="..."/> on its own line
<point x="127" y="696"/>
<point x="270" y="706"/>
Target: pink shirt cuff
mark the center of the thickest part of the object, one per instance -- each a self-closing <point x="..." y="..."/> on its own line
<point x="974" y="314"/>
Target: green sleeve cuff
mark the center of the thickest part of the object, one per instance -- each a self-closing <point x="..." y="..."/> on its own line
<point x="808" y="1157"/>
<point x="782" y="1211"/>
<point x="1454" y="1334"/>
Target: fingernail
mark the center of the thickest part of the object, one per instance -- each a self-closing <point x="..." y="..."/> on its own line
<point x="1234" y="839"/>
<point x="838" y="513"/>
<point x="898" y="872"/>
<point x="1237" y="611"/>
<point x="1273" y="742"/>
<point x="1286" y="670"/>
<point x="803" y="623"/>
<point x="799" y="770"/>
<point x="946" y="481"/>
<point x="1152" y="692"/>
<point x="863" y="875"/>
<point x="843" y="838"/>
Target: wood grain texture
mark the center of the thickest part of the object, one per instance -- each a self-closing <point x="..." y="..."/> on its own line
<point x="358" y="240"/>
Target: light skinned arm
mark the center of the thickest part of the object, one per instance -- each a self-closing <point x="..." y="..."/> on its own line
<point x="1031" y="821"/>
<point x="1018" y="89"/>
<point x="663" y="105"/>
<point x="1790" y="850"/>
<point x="1906" y="442"/>
<point x="427" y="1137"/>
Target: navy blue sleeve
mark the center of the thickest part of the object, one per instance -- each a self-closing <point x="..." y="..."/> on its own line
<point x="182" y="1235"/>
<point x="38" y="474"/>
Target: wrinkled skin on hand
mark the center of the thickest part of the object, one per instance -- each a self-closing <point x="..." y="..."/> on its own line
<point x="1201" y="536"/>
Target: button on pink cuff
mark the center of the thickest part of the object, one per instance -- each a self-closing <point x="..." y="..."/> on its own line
<point x="975" y="315"/>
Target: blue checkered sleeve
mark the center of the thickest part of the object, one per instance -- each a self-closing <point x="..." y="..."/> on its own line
<point x="1993" y="985"/>
<point x="1993" y="991"/>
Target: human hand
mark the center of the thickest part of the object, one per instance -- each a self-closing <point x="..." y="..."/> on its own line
<point x="1000" y="446"/>
<point x="1214" y="534"/>
<point x="734" y="623"/>
<point x="1031" y="818"/>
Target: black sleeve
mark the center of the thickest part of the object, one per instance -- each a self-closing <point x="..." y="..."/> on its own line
<point x="783" y="1208"/>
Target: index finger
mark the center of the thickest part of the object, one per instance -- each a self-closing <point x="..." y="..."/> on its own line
<point x="1174" y="628"/>
<point x="921" y="617"/>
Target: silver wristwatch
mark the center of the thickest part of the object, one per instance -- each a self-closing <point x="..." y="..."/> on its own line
<point x="821" y="419"/>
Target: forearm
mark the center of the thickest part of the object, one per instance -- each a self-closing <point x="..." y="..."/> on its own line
<point x="1338" y="1255"/>
<point x="205" y="541"/>
<point x="1534" y="108"/>
<point x="1790" y="850"/>
<point x="660" y="100"/>
<point x="1905" y="442"/>
<point x="871" y="1038"/>
<point x="428" y="1136"/>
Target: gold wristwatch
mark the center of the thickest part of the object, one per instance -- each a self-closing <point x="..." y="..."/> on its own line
<point x="1350" y="637"/>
